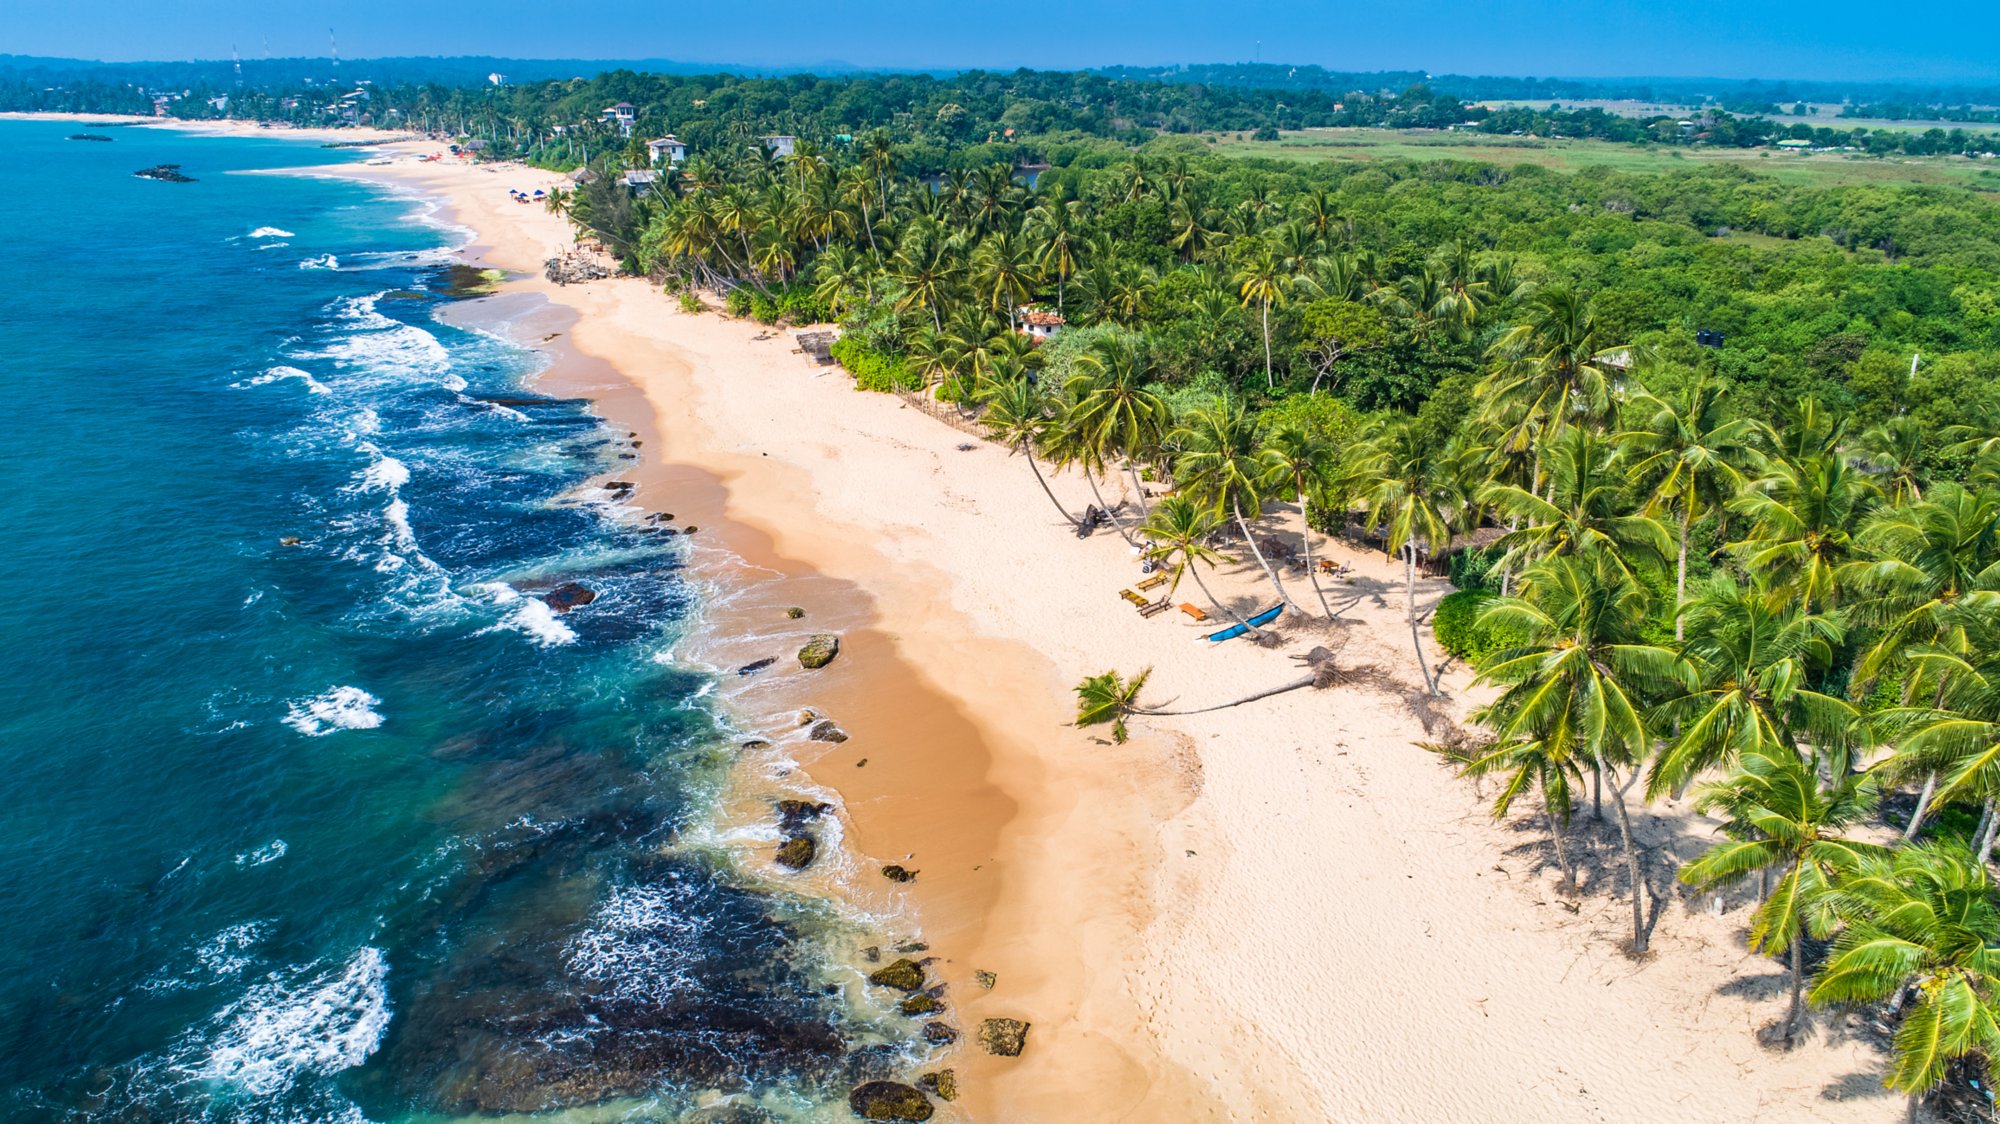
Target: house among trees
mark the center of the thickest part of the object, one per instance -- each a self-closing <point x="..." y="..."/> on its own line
<point x="622" y="115"/>
<point x="641" y="180"/>
<point x="780" y="147"/>
<point x="668" y="151"/>
<point x="1039" y="324"/>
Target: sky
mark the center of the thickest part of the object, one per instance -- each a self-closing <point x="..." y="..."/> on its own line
<point x="1935" y="40"/>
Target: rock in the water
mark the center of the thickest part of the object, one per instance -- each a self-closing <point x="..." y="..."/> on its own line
<point x="939" y="1034"/>
<point x="171" y="173"/>
<point x="1005" y="1037"/>
<point x="819" y="651"/>
<point x="903" y="975"/>
<point x="794" y="815"/>
<point x="798" y="852"/>
<point x="985" y="979"/>
<point x="896" y="873"/>
<point x="825" y="731"/>
<point x="795" y="612"/>
<point x="755" y="666"/>
<point x="889" y="1100"/>
<point x="922" y="1003"/>
<point x="756" y="743"/>
<point x="872" y="954"/>
<point x="289" y="540"/>
<point x="944" y="1083"/>
<point x="808" y="716"/>
<point x="569" y="595"/>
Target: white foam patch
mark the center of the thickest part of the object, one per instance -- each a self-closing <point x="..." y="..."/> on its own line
<point x="384" y="472"/>
<point x="269" y="853"/>
<point x="342" y="708"/>
<point x="321" y="261"/>
<point x="269" y="232"/>
<point x="531" y="616"/>
<point x="227" y="953"/>
<point x="283" y="1028"/>
<point x="644" y="942"/>
<point x="279" y="373"/>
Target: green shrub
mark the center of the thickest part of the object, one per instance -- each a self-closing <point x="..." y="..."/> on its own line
<point x="690" y="301"/>
<point x="1473" y="569"/>
<point x="798" y="305"/>
<point x="874" y="370"/>
<point x="738" y="301"/>
<point x="763" y="309"/>
<point x="1459" y="631"/>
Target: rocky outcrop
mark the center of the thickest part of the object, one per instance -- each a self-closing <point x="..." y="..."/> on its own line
<point x="943" y="1084"/>
<point x="939" y="1034"/>
<point x="825" y="731"/>
<point x="922" y="1003"/>
<point x="890" y="1100"/>
<point x="795" y="612"/>
<point x="168" y="173"/>
<point x="570" y="269"/>
<point x="1005" y="1037"/>
<point x="569" y="595"/>
<point x="755" y="666"/>
<point x="903" y="975"/>
<point x="794" y="815"/>
<point x="798" y="852"/>
<point x="985" y="979"/>
<point x="896" y="873"/>
<point x="819" y="651"/>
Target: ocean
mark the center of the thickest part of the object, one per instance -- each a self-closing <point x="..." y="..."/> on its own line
<point x="314" y="809"/>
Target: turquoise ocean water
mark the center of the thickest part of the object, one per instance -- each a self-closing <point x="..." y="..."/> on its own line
<point x="351" y="828"/>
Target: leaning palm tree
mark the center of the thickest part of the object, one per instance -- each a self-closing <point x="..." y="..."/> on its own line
<point x="1300" y="462"/>
<point x="1956" y="739"/>
<point x="1575" y="692"/>
<point x="1690" y="457"/>
<point x="1109" y="698"/>
<point x="1926" y="919"/>
<point x="1180" y="529"/>
<point x="1780" y="814"/>
<point x="1017" y="415"/>
<point x="1116" y="413"/>
<point x="1222" y="466"/>
<point x="1411" y="492"/>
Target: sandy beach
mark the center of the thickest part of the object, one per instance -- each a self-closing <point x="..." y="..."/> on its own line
<point x="1286" y="911"/>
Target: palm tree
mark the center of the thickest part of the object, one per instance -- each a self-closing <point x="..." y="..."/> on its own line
<point x="1114" y="408"/>
<point x="1574" y="692"/>
<point x="1554" y="368"/>
<point x="1180" y="530"/>
<point x="1301" y="461"/>
<point x="1957" y="739"/>
<point x="1262" y="279"/>
<point x="1893" y="452"/>
<point x="1222" y="466"/>
<point x="1017" y="415"/>
<point x="1054" y="225"/>
<point x="928" y="266"/>
<point x="1690" y="456"/>
<point x="1753" y="654"/>
<point x="1803" y="514"/>
<point x="1923" y="918"/>
<point x="1109" y="698"/>
<point x="1412" y="493"/>
<point x="1004" y="272"/>
<point x="1780" y="814"/>
<point x="1584" y="512"/>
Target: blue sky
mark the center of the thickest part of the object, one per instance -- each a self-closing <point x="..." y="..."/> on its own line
<point x="1832" y="39"/>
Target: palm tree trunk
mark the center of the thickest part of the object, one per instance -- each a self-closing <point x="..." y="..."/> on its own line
<point x="1985" y="820"/>
<point x="1029" y="452"/>
<point x="1268" y="382"/>
<point x="1562" y="849"/>
<point x="1312" y="572"/>
<point x="1597" y="792"/>
<point x="1681" y="584"/>
<point x="1244" y="525"/>
<point x="1923" y="805"/>
<point x="1294" y="685"/>
<point x="1798" y="987"/>
<point x="1410" y="597"/>
<point x="1106" y="508"/>
<point x="1986" y="841"/>
<point x="1639" y="941"/>
<point x="1219" y="606"/>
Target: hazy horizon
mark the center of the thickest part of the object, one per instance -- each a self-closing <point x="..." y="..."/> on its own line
<point x="1545" y="38"/>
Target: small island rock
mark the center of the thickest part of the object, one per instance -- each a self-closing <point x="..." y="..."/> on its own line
<point x="826" y="731"/>
<point x="903" y="975"/>
<point x="944" y="1083"/>
<point x="819" y="651"/>
<point x="569" y="595"/>
<point x="798" y="852"/>
<point x="1005" y="1037"/>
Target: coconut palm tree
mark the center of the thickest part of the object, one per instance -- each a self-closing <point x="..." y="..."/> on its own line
<point x="1690" y="457"/>
<point x="1803" y="513"/>
<point x="1923" y="923"/>
<point x="1753" y="654"/>
<point x="1017" y="414"/>
<point x="1113" y="404"/>
<point x="1554" y="368"/>
<point x="1262" y="279"/>
<point x="1414" y="495"/>
<point x="1575" y="692"/>
<point x="1054" y="228"/>
<point x="1956" y="739"/>
<point x="1180" y="530"/>
<point x="1003" y="273"/>
<point x="1893" y="452"/>
<point x="1222" y="466"/>
<point x="1780" y="814"/>
<point x="1300" y="462"/>
<point x="1582" y="512"/>
<point x="1109" y="698"/>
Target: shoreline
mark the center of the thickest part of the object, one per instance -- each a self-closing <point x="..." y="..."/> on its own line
<point x="1284" y="912"/>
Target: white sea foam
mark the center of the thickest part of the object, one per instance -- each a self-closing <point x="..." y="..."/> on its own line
<point x="320" y="261"/>
<point x="286" y="1027"/>
<point x="269" y="853"/>
<point x="227" y="953"/>
<point x="644" y="943"/>
<point x="269" y="232"/>
<point x="384" y="472"/>
<point x="530" y="615"/>
<point x="342" y="708"/>
<point x="280" y="372"/>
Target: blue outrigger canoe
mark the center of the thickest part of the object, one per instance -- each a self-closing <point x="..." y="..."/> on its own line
<point x="1236" y="630"/>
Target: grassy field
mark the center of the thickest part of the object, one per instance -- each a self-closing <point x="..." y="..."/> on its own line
<point x="1574" y="155"/>
<point x="1826" y="115"/>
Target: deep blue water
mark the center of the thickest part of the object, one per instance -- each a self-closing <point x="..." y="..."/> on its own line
<point x="351" y="827"/>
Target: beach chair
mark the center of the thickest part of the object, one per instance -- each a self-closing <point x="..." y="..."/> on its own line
<point x="1155" y="609"/>
<point x="1326" y="566"/>
<point x="1154" y="582"/>
<point x="1193" y="610"/>
<point x="1137" y="600"/>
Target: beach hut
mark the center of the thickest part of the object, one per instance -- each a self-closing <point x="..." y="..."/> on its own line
<point x="1039" y="324"/>
<point x="817" y="346"/>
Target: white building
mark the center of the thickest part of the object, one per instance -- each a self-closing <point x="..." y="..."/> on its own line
<point x="1039" y="324"/>
<point x="622" y="115"/>
<point x="780" y="147"/>
<point x="496" y="79"/>
<point x="668" y="151"/>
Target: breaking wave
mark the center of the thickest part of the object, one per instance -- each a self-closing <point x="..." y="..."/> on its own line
<point x="342" y="708"/>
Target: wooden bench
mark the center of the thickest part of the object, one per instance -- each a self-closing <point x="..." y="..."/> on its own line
<point x="1155" y="609"/>
<point x="1192" y="610"/>
<point x="1154" y="582"/>
<point x="1134" y="598"/>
